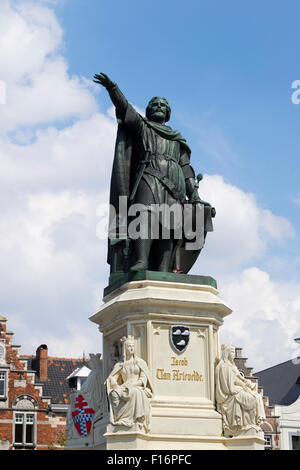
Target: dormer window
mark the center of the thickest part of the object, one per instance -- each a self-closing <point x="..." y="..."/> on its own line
<point x="76" y="382"/>
<point x="78" y="377"/>
<point x="80" y="382"/>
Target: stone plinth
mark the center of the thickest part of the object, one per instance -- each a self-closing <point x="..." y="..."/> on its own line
<point x="151" y="309"/>
<point x="183" y="413"/>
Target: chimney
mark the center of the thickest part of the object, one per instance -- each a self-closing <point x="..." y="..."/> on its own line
<point x="239" y="353"/>
<point x="42" y="361"/>
<point x="3" y="321"/>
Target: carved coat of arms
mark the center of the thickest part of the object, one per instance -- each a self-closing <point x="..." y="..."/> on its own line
<point x="180" y="337"/>
<point x="82" y="416"/>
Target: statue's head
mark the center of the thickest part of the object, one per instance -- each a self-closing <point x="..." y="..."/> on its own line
<point x="128" y="346"/>
<point x="228" y="352"/>
<point x="158" y="110"/>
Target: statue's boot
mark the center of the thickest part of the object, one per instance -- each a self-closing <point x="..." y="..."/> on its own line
<point x="142" y="248"/>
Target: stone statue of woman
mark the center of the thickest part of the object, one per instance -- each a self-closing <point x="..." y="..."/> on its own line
<point x="129" y="389"/>
<point x="240" y="405"/>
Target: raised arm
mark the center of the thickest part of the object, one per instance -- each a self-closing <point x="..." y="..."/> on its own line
<point x="124" y="111"/>
<point x="115" y="94"/>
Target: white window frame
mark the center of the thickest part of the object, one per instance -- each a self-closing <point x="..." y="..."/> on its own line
<point x="268" y="446"/>
<point x="80" y="382"/>
<point x="2" y="353"/>
<point x="296" y="433"/>
<point x="3" y="378"/>
<point x="28" y="417"/>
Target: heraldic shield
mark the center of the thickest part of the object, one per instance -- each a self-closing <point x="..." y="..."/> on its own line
<point x="180" y="337"/>
<point x="82" y="416"/>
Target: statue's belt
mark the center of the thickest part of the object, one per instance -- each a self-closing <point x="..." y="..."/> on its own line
<point x="143" y="168"/>
<point x="164" y="156"/>
<point x="166" y="182"/>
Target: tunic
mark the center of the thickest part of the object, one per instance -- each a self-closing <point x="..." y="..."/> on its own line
<point x="166" y="151"/>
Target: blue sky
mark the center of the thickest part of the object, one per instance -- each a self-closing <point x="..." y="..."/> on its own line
<point x="227" y="69"/>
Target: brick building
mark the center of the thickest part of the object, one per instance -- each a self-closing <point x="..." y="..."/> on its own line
<point x="34" y="393"/>
<point x="271" y="426"/>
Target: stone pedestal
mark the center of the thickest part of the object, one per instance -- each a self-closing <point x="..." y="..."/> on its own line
<point x="183" y="412"/>
<point x="173" y="320"/>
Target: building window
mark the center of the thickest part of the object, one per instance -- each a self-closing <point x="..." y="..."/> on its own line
<point x="80" y="382"/>
<point x="76" y="383"/>
<point x="24" y="431"/>
<point x="268" y="443"/>
<point x="2" y="384"/>
<point x="295" y="442"/>
<point x="2" y="354"/>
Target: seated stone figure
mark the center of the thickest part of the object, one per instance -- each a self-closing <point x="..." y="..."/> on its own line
<point x="239" y="403"/>
<point x="129" y="389"/>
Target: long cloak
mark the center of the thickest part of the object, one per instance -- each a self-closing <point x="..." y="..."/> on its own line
<point x="124" y="172"/>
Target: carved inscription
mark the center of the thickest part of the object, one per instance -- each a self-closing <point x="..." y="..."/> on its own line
<point x="178" y="374"/>
<point x="179" y="362"/>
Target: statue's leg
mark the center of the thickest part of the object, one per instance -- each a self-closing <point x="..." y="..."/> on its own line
<point x="142" y="246"/>
<point x="163" y="254"/>
<point x="142" y="250"/>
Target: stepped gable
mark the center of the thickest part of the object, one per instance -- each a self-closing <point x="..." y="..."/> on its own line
<point x="34" y="395"/>
<point x="271" y="425"/>
<point x="241" y="363"/>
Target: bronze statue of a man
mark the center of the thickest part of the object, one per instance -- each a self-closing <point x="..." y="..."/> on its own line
<point x="152" y="169"/>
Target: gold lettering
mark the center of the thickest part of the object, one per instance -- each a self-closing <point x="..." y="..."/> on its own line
<point x="162" y="375"/>
<point x="179" y="362"/>
<point x="177" y="374"/>
<point x="194" y="377"/>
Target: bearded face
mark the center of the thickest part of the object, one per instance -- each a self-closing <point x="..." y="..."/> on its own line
<point x="158" y="110"/>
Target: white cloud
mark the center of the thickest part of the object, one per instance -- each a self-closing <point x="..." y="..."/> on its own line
<point x="38" y="87"/>
<point x="52" y="271"/>
<point x="29" y="34"/>
<point x="49" y="96"/>
<point x="265" y="318"/>
<point x="79" y="156"/>
<point x="242" y="229"/>
<point x="51" y="183"/>
<point x="67" y="339"/>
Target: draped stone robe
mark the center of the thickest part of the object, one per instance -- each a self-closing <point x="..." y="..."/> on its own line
<point x="241" y="407"/>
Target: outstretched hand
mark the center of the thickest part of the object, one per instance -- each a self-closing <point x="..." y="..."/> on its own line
<point x="103" y="80"/>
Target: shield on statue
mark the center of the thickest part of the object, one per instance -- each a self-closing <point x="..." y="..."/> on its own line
<point x="82" y="416"/>
<point x="180" y="337"/>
